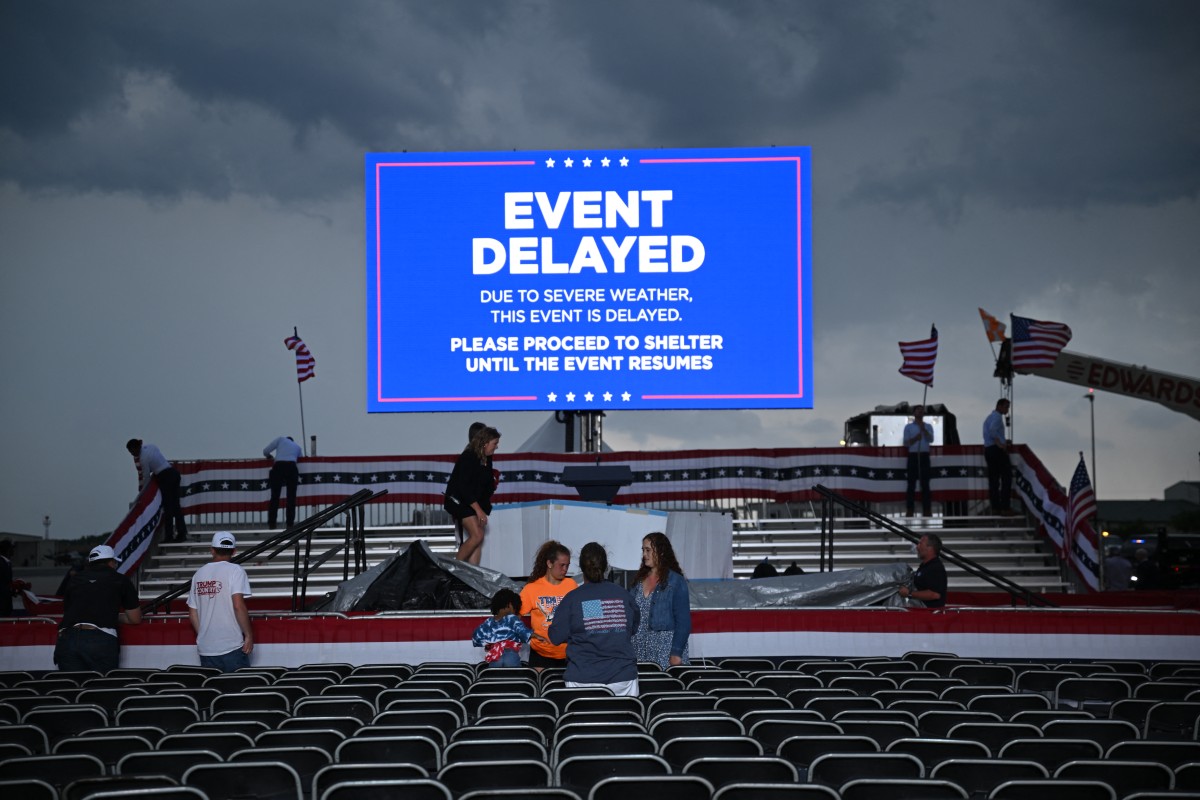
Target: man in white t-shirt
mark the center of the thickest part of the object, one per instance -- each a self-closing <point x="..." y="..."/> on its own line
<point x="217" y="608"/>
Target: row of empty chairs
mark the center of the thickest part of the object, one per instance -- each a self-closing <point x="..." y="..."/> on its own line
<point x="734" y="728"/>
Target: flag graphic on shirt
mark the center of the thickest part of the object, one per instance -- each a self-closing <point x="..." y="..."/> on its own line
<point x="1081" y="504"/>
<point x="992" y="326"/>
<point x="919" y="358"/>
<point x="1036" y="343"/>
<point x="304" y="359"/>
<point x="547" y="604"/>
<point x="603" y="615"/>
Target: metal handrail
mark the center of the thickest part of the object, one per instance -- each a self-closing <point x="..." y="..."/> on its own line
<point x="280" y="542"/>
<point x="970" y="566"/>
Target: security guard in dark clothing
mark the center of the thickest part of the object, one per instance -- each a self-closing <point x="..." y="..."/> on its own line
<point x="929" y="581"/>
<point x="96" y="601"/>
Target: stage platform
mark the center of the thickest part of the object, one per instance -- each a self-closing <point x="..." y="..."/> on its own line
<point x="411" y="637"/>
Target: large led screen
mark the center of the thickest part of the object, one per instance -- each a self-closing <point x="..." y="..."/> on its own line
<point x="589" y="280"/>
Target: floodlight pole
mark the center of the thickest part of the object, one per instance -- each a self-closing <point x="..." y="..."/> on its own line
<point x="1091" y="398"/>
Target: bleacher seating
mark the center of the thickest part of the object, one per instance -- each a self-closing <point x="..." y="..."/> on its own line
<point x="828" y="729"/>
<point x="1009" y="546"/>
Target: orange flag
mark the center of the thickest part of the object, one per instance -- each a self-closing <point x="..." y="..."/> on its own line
<point x="992" y="326"/>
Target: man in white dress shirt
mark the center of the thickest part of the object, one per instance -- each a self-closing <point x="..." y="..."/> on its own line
<point x="284" y="472"/>
<point x="152" y="462"/>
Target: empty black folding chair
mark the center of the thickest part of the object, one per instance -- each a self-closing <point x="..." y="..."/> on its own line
<point x="681" y="751"/>
<point x="1125" y="777"/>
<point x="273" y="779"/>
<point x="837" y="769"/>
<point x="57" y="770"/>
<point x="223" y="744"/>
<point x="466" y="776"/>
<point x="979" y="776"/>
<point x="753" y="790"/>
<point x="803" y="750"/>
<point x="1051" y="753"/>
<point x="499" y="733"/>
<point x="667" y="727"/>
<point x="610" y="745"/>
<point x="1172" y="719"/>
<point x="306" y="761"/>
<point x="583" y="772"/>
<point x="174" y="763"/>
<point x="1053" y="790"/>
<point x="515" y="749"/>
<point x="61" y="722"/>
<point x="743" y="769"/>
<point x="1173" y="754"/>
<point x="900" y="789"/>
<point x="419" y="750"/>
<point x="1105" y="732"/>
<point x="330" y="774"/>
<point x="665" y="787"/>
<point x="119" y="786"/>
<point x="932" y="752"/>
<point x="31" y="737"/>
<point x="386" y="789"/>
<point x="109" y="749"/>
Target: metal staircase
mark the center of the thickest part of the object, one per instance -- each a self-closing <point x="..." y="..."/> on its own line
<point x="1006" y="546"/>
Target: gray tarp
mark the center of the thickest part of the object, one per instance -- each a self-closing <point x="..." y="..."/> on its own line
<point x="402" y="582"/>
<point x="847" y="588"/>
<point x="419" y="579"/>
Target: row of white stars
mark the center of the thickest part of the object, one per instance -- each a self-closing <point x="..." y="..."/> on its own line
<point x="587" y="162"/>
<point x="721" y="473"/>
<point x="588" y="397"/>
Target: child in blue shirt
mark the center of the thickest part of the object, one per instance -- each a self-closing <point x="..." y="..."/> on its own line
<point x="503" y="634"/>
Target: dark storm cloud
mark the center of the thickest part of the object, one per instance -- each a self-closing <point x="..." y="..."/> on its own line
<point x="365" y="66"/>
<point x="205" y="94"/>
<point x="226" y="97"/>
<point x="707" y="73"/>
<point x="1088" y="103"/>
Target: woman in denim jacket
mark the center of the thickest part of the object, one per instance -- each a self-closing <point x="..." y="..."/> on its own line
<point x="661" y="595"/>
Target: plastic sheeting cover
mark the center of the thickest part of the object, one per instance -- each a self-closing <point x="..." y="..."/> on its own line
<point x="419" y="579"/>
<point x="848" y="588"/>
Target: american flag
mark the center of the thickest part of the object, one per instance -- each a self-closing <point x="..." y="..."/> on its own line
<point x="919" y="358"/>
<point x="993" y="327"/>
<point x="1035" y="343"/>
<point x="1081" y="504"/>
<point x="603" y="615"/>
<point x="131" y="539"/>
<point x="304" y="359"/>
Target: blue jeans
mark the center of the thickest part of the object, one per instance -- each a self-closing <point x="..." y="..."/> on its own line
<point x="230" y="662"/>
<point x="509" y="658"/>
<point x="84" y="649"/>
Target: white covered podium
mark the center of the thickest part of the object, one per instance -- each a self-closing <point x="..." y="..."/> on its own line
<point x="703" y="540"/>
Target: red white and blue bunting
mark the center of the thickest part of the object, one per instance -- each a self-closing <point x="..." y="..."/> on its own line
<point x="867" y="475"/>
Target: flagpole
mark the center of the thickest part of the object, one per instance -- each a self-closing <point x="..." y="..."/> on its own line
<point x="303" y="433"/>
<point x="920" y="462"/>
<point x="300" y="389"/>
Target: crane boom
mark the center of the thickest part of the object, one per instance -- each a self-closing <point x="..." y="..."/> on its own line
<point x="1176" y="392"/>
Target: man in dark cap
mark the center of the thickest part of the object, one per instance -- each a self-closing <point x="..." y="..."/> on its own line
<point x="95" y="602"/>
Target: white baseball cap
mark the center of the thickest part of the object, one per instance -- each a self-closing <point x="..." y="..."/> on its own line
<point x="103" y="552"/>
<point x="223" y="540"/>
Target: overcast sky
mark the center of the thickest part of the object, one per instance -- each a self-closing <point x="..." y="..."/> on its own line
<point x="181" y="183"/>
